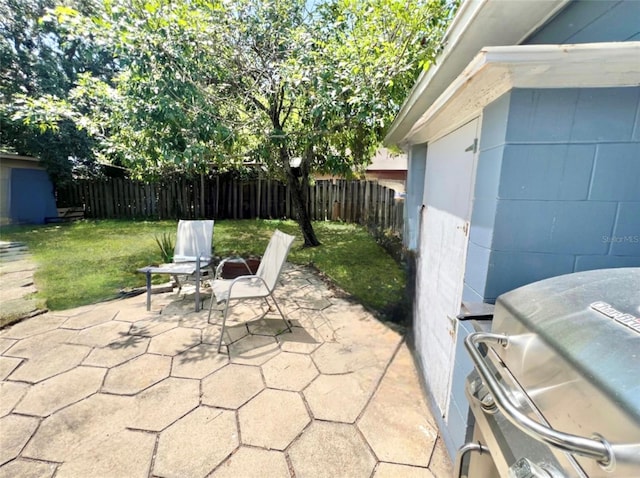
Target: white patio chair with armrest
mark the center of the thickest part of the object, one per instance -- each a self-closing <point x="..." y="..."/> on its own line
<point x="256" y="286"/>
<point x="191" y="254"/>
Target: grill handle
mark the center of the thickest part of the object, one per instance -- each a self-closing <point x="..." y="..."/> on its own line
<point x="592" y="448"/>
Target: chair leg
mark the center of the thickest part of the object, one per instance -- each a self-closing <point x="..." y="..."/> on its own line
<point x="224" y="320"/>
<point x="210" y="308"/>
<point x="281" y="314"/>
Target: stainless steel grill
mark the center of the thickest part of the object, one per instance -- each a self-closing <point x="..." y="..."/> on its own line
<point x="556" y="386"/>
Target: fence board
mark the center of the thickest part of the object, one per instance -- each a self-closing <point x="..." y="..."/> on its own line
<point x="363" y="202"/>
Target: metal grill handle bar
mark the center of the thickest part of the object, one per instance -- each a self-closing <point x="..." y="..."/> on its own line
<point x="597" y="449"/>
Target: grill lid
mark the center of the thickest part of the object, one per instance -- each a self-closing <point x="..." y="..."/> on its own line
<point x="574" y="349"/>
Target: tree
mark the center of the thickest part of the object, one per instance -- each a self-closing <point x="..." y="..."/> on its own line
<point x="40" y="61"/>
<point x="203" y="83"/>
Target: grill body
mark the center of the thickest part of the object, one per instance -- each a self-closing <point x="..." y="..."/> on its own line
<point x="556" y="390"/>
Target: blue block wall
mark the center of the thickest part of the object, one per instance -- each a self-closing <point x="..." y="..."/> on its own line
<point x="588" y="21"/>
<point x="557" y="187"/>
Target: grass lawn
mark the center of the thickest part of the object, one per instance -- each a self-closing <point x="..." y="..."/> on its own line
<point x="89" y="261"/>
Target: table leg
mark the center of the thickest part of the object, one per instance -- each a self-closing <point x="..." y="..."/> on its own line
<point x="198" y="286"/>
<point x="148" y="290"/>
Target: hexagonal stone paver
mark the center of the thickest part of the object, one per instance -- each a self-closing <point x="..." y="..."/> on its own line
<point x="8" y="365"/>
<point x="174" y="341"/>
<point x="440" y="464"/>
<point x="79" y="427"/>
<point x="395" y="421"/>
<point x="6" y="343"/>
<point x="165" y="402"/>
<point x="254" y="463"/>
<point x="195" y="456"/>
<point x="232" y="386"/>
<point x="272" y="419"/>
<point x="152" y="327"/>
<point x="300" y="340"/>
<point x="331" y="450"/>
<point x="337" y="358"/>
<point x="39" y="344"/>
<point x="57" y="392"/>
<point x="253" y="350"/>
<point x="341" y="398"/>
<point x="288" y="371"/>
<point x="198" y="362"/>
<point x="125" y="453"/>
<point x="16" y="431"/>
<point x="10" y="394"/>
<point x="89" y="319"/>
<point x="391" y="470"/>
<point x="27" y="469"/>
<point x="102" y="334"/>
<point x="33" y="326"/>
<point x="137" y="374"/>
<point x="118" y="352"/>
<point x="52" y="362"/>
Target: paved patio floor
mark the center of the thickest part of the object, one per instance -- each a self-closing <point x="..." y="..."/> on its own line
<point x="111" y="390"/>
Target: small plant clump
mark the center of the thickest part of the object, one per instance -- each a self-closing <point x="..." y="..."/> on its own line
<point x="165" y="243"/>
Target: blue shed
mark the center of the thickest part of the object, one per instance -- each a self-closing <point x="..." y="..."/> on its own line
<point x="524" y="163"/>
<point x="26" y="192"/>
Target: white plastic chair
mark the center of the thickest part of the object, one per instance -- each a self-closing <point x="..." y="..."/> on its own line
<point x="256" y="286"/>
<point x="191" y="254"/>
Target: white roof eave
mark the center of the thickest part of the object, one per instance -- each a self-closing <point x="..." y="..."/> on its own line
<point x="496" y="70"/>
<point x="478" y="23"/>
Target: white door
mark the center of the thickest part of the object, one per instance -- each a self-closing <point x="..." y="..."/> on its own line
<point x="444" y="227"/>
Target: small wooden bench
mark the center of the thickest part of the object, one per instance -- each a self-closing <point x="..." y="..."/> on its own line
<point x="67" y="214"/>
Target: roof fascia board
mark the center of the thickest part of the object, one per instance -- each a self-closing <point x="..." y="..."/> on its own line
<point x="496" y="70"/>
<point x="478" y="23"/>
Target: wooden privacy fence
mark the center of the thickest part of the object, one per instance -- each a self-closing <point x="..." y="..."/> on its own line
<point x="363" y="202"/>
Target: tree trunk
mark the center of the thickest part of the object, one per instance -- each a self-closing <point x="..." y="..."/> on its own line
<point x="299" y="206"/>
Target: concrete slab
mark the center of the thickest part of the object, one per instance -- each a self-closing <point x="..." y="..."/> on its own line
<point x="118" y="352"/>
<point x="125" y="453"/>
<point x="16" y="432"/>
<point x="253" y="350"/>
<point x="198" y="362"/>
<point x="440" y="463"/>
<point x="392" y="470"/>
<point x="101" y="335"/>
<point x="74" y="431"/>
<point x="194" y="432"/>
<point x="272" y="419"/>
<point x="89" y="319"/>
<point x="331" y="450"/>
<point x="6" y="344"/>
<point x="159" y="406"/>
<point x="54" y="361"/>
<point x="232" y="386"/>
<point x="332" y="366"/>
<point x="341" y="398"/>
<point x="253" y="463"/>
<point x="174" y="341"/>
<point x="339" y="358"/>
<point x="289" y="371"/>
<point x="57" y="392"/>
<point x="152" y="327"/>
<point x="10" y="394"/>
<point x="137" y="374"/>
<point x="396" y="423"/>
<point x="35" y="346"/>
<point x="35" y="325"/>
<point x="8" y="365"/>
<point x="27" y="469"/>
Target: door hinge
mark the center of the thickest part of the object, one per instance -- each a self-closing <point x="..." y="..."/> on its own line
<point x="473" y="147"/>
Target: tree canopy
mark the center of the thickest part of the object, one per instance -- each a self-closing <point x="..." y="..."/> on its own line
<point x="188" y="85"/>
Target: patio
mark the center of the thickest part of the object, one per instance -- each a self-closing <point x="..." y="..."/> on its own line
<point x="111" y="390"/>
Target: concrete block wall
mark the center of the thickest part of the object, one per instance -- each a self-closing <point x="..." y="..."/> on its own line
<point x="559" y="192"/>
